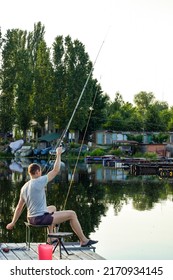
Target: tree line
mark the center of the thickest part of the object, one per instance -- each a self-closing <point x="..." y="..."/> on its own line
<point x="39" y="84"/>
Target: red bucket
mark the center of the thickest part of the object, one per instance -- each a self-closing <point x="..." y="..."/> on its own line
<point x="45" y="252"/>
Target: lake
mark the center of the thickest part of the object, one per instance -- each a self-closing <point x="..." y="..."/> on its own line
<point x="130" y="216"/>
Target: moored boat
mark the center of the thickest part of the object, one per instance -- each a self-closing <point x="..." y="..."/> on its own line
<point x="37" y="151"/>
<point x="24" y="151"/>
<point x="16" y="145"/>
<point x="45" y="151"/>
<point x="98" y="159"/>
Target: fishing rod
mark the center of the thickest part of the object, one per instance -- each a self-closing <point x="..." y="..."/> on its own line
<point x="82" y="92"/>
<point x="59" y="143"/>
<point x="91" y="109"/>
<point x="75" y="167"/>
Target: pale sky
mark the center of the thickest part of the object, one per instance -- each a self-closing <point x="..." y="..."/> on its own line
<point x="137" y="53"/>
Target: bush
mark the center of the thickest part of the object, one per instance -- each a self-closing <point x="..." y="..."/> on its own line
<point x="97" y="152"/>
<point x="116" y="152"/>
<point x="150" y="155"/>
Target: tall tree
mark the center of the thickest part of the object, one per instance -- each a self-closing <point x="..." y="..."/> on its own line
<point x="23" y="104"/>
<point x="157" y="117"/>
<point x="42" y="75"/>
<point x="143" y="101"/>
<point x="42" y="93"/>
<point x="74" y="70"/>
<point x="97" y="112"/>
<point x="8" y="81"/>
<point x="59" y="84"/>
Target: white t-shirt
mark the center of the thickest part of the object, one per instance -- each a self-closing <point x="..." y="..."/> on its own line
<point x="33" y="193"/>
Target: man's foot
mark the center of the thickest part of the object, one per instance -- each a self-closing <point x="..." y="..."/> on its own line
<point x="89" y="243"/>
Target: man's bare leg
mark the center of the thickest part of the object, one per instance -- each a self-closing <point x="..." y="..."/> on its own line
<point x="51" y="209"/>
<point x="69" y="215"/>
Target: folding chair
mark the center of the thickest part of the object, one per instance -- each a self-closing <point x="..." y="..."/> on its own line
<point x="59" y="236"/>
<point x="28" y="232"/>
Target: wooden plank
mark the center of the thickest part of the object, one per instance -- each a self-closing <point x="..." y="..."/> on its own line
<point x="9" y="255"/>
<point x="20" y="251"/>
<point x="88" y="252"/>
<point x="78" y="253"/>
<point x="81" y="254"/>
<point x="94" y="255"/>
<point x="2" y="257"/>
<point x="70" y="256"/>
<point x="30" y="253"/>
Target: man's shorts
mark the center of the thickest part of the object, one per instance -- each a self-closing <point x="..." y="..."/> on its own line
<point x="45" y="219"/>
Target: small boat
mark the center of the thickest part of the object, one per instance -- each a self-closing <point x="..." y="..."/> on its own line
<point x="45" y="151"/>
<point x="98" y="159"/>
<point x="37" y="151"/>
<point x="24" y="151"/>
<point x="16" y="145"/>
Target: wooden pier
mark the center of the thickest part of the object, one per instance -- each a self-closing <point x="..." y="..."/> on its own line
<point x="19" y="251"/>
<point x="161" y="169"/>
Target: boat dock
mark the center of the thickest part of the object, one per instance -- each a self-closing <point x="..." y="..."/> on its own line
<point x="19" y="251"/>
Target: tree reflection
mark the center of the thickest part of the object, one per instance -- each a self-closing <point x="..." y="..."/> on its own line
<point x="89" y="198"/>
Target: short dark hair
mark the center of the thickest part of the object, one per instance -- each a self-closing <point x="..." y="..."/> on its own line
<point x="33" y="168"/>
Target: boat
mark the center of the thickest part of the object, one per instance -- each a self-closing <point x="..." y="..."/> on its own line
<point x="37" y="151"/>
<point x="45" y="151"/>
<point x="24" y="151"/>
<point x="41" y="151"/>
<point x="98" y="159"/>
<point x="16" y="145"/>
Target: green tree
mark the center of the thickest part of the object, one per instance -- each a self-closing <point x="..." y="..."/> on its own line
<point x="157" y="117"/>
<point x="72" y="69"/>
<point x="42" y="72"/>
<point x="23" y="105"/>
<point x="170" y="122"/>
<point x="59" y="83"/>
<point x="8" y="80"/>
<point x="98" y="108"/>
<point x="42" y="89"/>
<point x="114" y="117"/>
<point x="143" y="100"/>
<point x="23" y="91"/>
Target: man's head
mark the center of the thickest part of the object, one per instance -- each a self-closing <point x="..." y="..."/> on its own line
<point x="34" y="169"/>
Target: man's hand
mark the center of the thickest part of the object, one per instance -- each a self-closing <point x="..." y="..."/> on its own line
<point x="56" y="168"/>
<point x="58" y="151"/>
<point x="10" y="225"/>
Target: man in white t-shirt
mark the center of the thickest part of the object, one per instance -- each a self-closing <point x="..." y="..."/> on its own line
<point x="34" y="197"/>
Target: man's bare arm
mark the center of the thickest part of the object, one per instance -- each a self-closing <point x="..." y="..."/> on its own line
<point x="17" y="213"/>
<point x="56" y="168"/>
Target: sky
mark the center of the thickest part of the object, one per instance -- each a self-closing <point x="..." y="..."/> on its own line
<point x="135" y="38"/>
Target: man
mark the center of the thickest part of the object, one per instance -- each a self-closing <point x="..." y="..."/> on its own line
<point x="34" y="197"/>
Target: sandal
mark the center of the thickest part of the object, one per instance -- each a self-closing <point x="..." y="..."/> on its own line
<point x="89" y="243"/>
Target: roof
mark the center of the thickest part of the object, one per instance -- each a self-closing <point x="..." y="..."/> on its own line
<point x="49" y="137"/>
<point x="125" y="142"/>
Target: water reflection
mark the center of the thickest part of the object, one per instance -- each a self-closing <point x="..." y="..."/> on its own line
<point x="94" y="191"/>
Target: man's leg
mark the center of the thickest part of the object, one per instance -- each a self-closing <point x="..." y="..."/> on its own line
<point x="69" y="215"/>
<point x="51" y="209"/>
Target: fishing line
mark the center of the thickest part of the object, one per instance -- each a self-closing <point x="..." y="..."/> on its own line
<point x="75" y="167"/>
<point x="80" y="97"/>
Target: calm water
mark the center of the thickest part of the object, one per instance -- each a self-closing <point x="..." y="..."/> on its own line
<point x="130" y="216"/>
